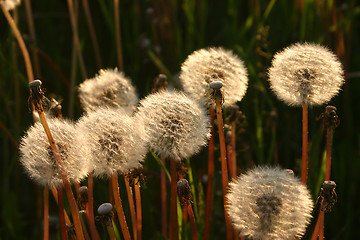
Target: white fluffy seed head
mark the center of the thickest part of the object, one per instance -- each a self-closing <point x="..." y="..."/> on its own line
<point x="177" y="126"/>
<point x="205" y="66"/>
<point x="38" y="160"/>
<point x="305" y="74"/>
<point x="9" y="4"/>
<point x="117" y="142"/>
<point x="269" y="203"/>
<point x="109" y="88"/>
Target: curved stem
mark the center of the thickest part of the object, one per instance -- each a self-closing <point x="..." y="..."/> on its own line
<point x="210" y="182"/>
<point x="131" y="206"/>
<point x="304" y="164"/>
<point x="224" y="170"/>
<point x="119" y="208"/>
<point x="138" y="209"/>
<point x="46" y="212"/>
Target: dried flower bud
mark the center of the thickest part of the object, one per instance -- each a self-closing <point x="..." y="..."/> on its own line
<point x="105" y="211"/>
<point x="269" y="203"/>
<point x="82" y="197"/>
<point x="117" y="143"/>
<point x="328" y="196"/>
<point x="37" y="96"/>
<point x="9" y="4"/>
<point x="178" y="127"/>
<point x="305" y="74"/>
<point x="39" y="161"/>
<point x="109" y="88"/>
<point x="184" y="192"/>
<point x="205" y="66"/>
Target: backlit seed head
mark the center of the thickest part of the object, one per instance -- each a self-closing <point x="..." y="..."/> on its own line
<point x="38" y="160"/>
<point x="205" y="66"/>
<point x="178" y="127"/>
<point x="118" y="143"/>
<point x="109" y="88"/>
<point x="9" y="4"/>
<point x="306" y="74"/>
<point x="269" y="203"/>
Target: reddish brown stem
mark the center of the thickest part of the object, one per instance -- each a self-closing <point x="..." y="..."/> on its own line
<point x="119" y="208"/>
<point x="72" y="203"/>
<point x="233" y="151"/>
<point x="163" y="188"/>
<point x="185" y="216"/>
<point x="210" y="182"/>
<point x="131" y="206"/>
<point x="304" y="164"/>
<point x="60" y="202"/>
<point x="224" y="170"/>
<point x="321" y="225"/>
<point x="118" y="35"/>
<point x="56" y="197"/>
<point x="46" y="212"/>
<point x="328" y="154"/>
<point x="138" y="209"/>
<point x="192" y="222"/>
<point x="90" y="208"/>
<point x="111" y="193"/>
<point x="229" y="157"/>
<point x="174" y="230"/>
<point x="315" y="234"/>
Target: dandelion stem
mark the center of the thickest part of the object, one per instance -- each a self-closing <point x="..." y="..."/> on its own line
<point x="60" y="201"/>
<point x="118" y="35"/>
<point x="174" y="230"/>
<point x="192" y="222"/>
<point x="224" y="170"/>
<point x="111" y="231"/>
<point x="57" y="197"/>
<point x="21" y="43"/>
<point x="131" y="206"/>
<point x="163" y="200"/>
<point x="119" y="208"/>
<point x="304" y="164"/>
<point x="90" y="208"/>
<point x="73" y="207"/>
<point x="46" y="212"/>
<point x="328" y="153"/>
<point x="233" y="150"/>
<point x="210" y="182"/>
<point x="138" y="208"/>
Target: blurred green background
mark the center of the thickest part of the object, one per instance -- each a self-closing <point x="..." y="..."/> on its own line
<point x="156" y="38"/>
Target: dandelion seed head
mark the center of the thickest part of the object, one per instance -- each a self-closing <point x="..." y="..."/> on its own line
<point x="109" y="88"/>
<point x="305" y="74"/>
<point x="9" y="4"/>
<point x="118" y="143"/>
<point x="178" y="127"/>
<point x="38" y="160"/>
<point x="205" y="66"/>
<point x="269" y="203"/>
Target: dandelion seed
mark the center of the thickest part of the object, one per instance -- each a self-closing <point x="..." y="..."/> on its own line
<point x="178" y="127"/>
<point x="118" y="144"/>
<point x="39" y="161"/>
<point x="9" y="4"/>
<point x="269" y="203"/>
<point x="109" y="88"/>
<point x="306" y="74"/>
<point x="205" y="66"/>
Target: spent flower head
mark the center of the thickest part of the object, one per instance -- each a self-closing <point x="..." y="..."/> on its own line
<point x="178" y="127"/>
<point x="269" y="203"/>
<point x="117" y="142"/>
<point x="38" y="160"/>
<point x="9" y="4"/>
<point x="305" y="74"/>
<point x="205" y="66"/>
<point x="109" y="88"/>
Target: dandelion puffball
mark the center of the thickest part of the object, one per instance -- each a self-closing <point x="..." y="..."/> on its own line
<point x="38" y="160"/>
<point x="9" y="4"/>
<point x="269" y="203"/>
<point x="109" y="88"/>
<point x="305" y="74"/>
<point x="178" y="127"/>
<point x="205" y="66"/>
<point x="117" y="143"/>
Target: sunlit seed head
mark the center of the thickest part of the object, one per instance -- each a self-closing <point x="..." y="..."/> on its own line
<point x="38" y="160"/>
<point x="205" y="66"/>
<point x="305" y="74"/>
<point x="178" y="127"/>
<point x="269" y="203"/>
<point x="109" y="88"/>
<point x="9" y="4"/>
<point x="117" y="142"/>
